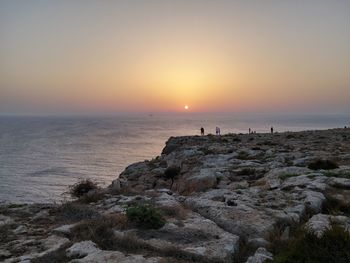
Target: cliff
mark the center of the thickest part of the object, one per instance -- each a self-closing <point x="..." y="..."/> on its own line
<point x="229" y="198"/>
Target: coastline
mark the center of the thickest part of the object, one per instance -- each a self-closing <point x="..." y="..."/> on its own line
<point x="225" y="198"/>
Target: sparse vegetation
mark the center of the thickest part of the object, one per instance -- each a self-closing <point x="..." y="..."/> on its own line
<point x="322" y="164"/>
<point x="92" y="196"/>
<point x="82" y="188"/>
<point x="332" y="247"/>
<point x="246" y="171"/>
<point x="58" y="256"/>
<point x="74" y="211"/>
<point x="176" y="211"/>
<point x="287" y="175"/>
<point x="236" y="139"/>
<point x="5" y="233"/>
<point x="172" y="171"/>
<point x="243" y="156"/>
<point x="100" y="230"/>
<point x="15" y="205"/>
<point x="269" y="143"/>
<point x="333" y="206"/>
<point x="145" y="216"/>
<point x="343" y="174"/>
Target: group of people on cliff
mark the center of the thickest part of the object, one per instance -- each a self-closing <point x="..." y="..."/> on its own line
<point x="218" y="131"/>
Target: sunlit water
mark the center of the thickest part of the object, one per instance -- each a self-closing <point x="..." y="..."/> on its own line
<point x="41" y="156"/>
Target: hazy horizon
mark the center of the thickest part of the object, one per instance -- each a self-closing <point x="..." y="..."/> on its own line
<point x="111" y="57"/>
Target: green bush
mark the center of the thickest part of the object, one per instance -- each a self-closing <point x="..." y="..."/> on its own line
<point x="332" y="247"/>
<point x="145" y="216"/>
<point x="322" y="164"/>
<point x="82" y="188"/>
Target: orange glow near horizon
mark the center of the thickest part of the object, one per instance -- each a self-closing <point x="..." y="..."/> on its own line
<point x="159" y="56"/>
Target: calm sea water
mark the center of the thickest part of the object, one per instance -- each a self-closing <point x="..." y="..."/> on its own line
<point x="41" y="156"/>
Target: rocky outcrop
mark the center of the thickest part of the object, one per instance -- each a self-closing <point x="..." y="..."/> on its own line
<point x="223" y="193"/>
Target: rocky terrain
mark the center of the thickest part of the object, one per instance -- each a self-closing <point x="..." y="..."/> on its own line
<point x="229" y="198"/>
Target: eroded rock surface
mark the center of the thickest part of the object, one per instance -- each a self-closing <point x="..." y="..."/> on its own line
<point x="226" y="192"/>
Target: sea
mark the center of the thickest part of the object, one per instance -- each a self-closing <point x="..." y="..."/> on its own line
<point x="40" y="157"/>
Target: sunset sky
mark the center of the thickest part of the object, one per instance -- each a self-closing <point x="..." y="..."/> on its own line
<point x="150" y="56"/>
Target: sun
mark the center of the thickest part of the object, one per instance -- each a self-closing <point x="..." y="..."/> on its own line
<point x="186" y="107"/>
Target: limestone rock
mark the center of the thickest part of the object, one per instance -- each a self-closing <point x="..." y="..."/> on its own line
<point x="261" y="255"/>
<point x="82" y="249"/>
<point x="113" y="257"/>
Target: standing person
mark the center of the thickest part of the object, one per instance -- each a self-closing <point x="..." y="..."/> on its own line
<point x="202" y="131"/>
<point x="271" y="130"/>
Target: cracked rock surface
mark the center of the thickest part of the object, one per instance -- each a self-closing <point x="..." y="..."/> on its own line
<point x="229" y="192"/>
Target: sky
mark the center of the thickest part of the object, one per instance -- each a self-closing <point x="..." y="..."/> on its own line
<point x="160" y="55"/>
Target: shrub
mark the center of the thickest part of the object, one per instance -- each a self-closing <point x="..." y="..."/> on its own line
<point x="92" y="196"/>
<point x="176" y="211"/>
<point x="73" y="211"/>
<point x="287" y="175"/>
<point x="334" y="206"/>
<point x="82" y="187"/>
<point x="145" y="216"/>
<point x="243" y="156"/>
<point x="98" y="231"/>
<point x="340" y="174"/>
<point x="332" y="247"/>
<point x="172" y="171"/>
<point x="322" y="164"/>
<point x="246" y="171"/>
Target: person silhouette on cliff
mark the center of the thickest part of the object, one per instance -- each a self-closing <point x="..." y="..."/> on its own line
<point x="202" y="131"/>
<point x="271" y="130"/>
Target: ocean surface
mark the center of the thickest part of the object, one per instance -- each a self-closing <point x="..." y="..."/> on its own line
<point x="41" y="156"/>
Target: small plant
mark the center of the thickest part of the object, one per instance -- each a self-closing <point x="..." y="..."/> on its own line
<point x="334" y="206"/>
<point x="92" y="196"/>
<point x="287" y="175"/>
<point x="290" y="136"/>
<point x="332" y="247"/>
<point x="171" y="172"/>
<point x="246" y="171"/>
<point x="15" y="205"/>
<point x="73" y="211"/>
<point x="145" y="216"/>
<point x="243" y="156"/>
<point x="176" y="211"/>
<point x="82" y="188"/>
<point x="322" y="164"/>
<point x="99" y="231"/>
<point x="343" y="174"/>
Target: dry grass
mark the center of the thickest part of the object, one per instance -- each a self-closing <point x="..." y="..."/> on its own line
<point x="175" y="211"/>
<point x="92" y="196"/>
<point x="82" y="187"/>
<point x="322" y="164"/>
<point x="100" y="230"/>
<point x="69" y="212"/>
<point x="332" y="247"/>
